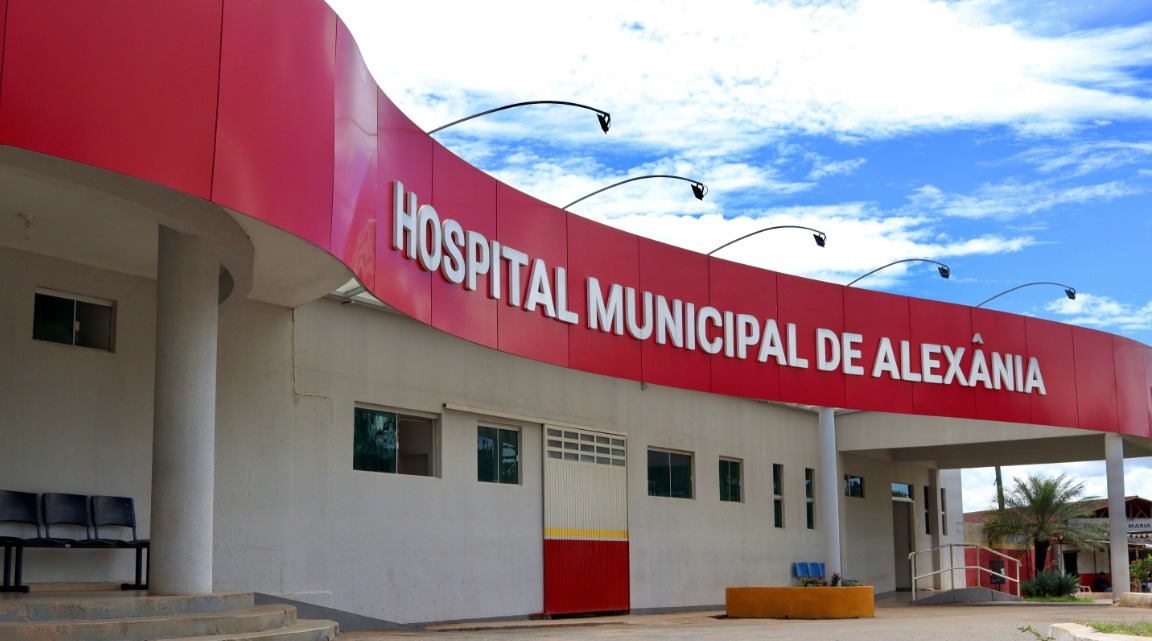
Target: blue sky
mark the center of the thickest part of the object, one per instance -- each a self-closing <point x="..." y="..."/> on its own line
<point x="1010" y="139"/>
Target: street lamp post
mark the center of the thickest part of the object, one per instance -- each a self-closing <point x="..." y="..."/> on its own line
<point x="818" y="235"/>
<point x="604" y="117"/>
<point x="945" y="271"/>
<point x="1069" y="291"/>
<point x="699" y="189"/>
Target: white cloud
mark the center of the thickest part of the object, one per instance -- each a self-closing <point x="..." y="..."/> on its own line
<point x="1102" y="312"/>
<point x="1009" y="200"/>
<point x="1089" y="157"/>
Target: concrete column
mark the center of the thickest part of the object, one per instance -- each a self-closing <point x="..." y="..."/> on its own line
<point x="1117" y="515"/>
<point x="932" y="502"/>
<point x="828" y="492"/>
<point x="183" y="438"/>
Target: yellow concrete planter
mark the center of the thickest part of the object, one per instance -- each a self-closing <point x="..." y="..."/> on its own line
<point x="801" y="603"/>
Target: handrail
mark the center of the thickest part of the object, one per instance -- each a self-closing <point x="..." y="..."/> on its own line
<point x="951" y="569"/>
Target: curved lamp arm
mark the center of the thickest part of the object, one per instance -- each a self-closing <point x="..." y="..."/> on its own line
<point x="604" y="117"/>
<point x="820" y="236"/>
<point x="1069" y="291"/>
<point x="945" y="271"/>
<point x="699" y="189"/>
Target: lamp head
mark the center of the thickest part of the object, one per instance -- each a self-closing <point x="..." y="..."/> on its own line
<point x="820" y="237"/>
<point x="1070" y="293"/>
<point x="945" y="272"/>
<point x="698" y="190"/>
<point x="605" y="121"/>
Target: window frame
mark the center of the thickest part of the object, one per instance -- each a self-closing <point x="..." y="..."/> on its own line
<point x="432" y="461"/>
<point x="81" y="306"/>
<point x="849" y="485"/>
<point x="739" y="464"/>
<point x="810" y="497"/>
<point x="500" y="431"/>
<point x="691" y="473"/>
<point x="778" y="517"/>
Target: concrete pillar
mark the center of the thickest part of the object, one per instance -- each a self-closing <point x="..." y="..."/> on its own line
<point x="932" y="505"/>
<point x="1117" y="515"/>
<point x="183" y="439"/>
<point x="828" y="492"/>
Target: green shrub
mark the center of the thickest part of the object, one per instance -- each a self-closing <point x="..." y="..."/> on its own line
<point x="1046" y="584"/>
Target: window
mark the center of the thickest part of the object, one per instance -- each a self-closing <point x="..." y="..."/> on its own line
<point x="902" y="491"/>
<point x="810" y="496"/>
<point x="854" y="486"/>
<point x="580" y="446"/>
<point x="394" y="443"/>
<point x="927" y="510"/>
<point x="497" y="455"/>
<point x="730" y="480"/>
<point x="74" y="320"/>
<point x="943" y="512"/>
<point x="669" y="474"/>
<point x="778" y="494"/>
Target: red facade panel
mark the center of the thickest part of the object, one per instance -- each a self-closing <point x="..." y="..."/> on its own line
<point x="1132" y="394"/>
<point x="354" y="161"/>
<point x="876" y="316"/>
<point x="467" y="195"/>
<point x="612" y="258"/>
<point x="129" y="87"/>
<point x="675" y="275"/>
<point x="275" y="136"/>
<point x="404" y="155"/>
<point x="946" y="326"/>
<point x="810" y="305"/>
<point x="1003" y="334"/>
<point x="585" y="576"/>
<point x="538" y="230"/>
<point x="1095" y="379"/>
<point x="745" y="290"/>
<point x="1051" y="345"/>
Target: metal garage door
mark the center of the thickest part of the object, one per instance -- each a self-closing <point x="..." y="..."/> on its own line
<point x="585" y="521"/>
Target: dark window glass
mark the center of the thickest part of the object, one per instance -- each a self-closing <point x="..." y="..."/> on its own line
<point x="811" y="509"/>
<point x="927" y="510"/>
<point x="509" y="456"/>
<point x="778" y="512"/>
<point x="375" y="441"/>
<point x="902" y="490"/>
<point x="809" y="482"/>
<point x="854" y="486"/>
<point x="94" y="326"/>
<point x="72" y="322"/>
<point x="486" y="444"/>
<point x="669" y="474"/>
<point x="729" y="480"/>
<point x="498" y="455"/>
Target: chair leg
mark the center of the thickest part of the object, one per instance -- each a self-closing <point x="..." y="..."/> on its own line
<point x="139" y="573"/>
<point x="16" y="585"/>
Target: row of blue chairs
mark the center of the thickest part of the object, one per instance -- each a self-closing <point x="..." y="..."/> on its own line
<point x="811" y="570"/>
<point x="28" y="520"/>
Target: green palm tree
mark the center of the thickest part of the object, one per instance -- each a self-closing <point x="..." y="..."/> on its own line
<point x="1043" y="508"/>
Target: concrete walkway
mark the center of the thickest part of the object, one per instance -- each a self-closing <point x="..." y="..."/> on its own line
<point x="894" y="621"/>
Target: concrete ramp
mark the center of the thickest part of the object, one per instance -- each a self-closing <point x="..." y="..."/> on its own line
<point x="964" y="595"/>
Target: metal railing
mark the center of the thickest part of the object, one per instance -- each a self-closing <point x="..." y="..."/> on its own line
<point x="1004" y="577"/>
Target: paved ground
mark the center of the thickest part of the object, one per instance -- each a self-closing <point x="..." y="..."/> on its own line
<point x="981" y="622"/>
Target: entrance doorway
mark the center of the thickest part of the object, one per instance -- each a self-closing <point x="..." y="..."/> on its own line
<point x="902" y="542"/>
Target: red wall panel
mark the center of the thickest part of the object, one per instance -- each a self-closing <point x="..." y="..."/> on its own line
<point x="467" y="195"/>
<point x="354" y="161"/>
<point x="675" y="274"/>
<point x="876" y="315"/>
<point x="275" y="137"/>
<point x="612" y="257"/>
<point x="810" y="304"/>
<point x="1051" y="344"/>
<point x="1095" y="379"/>
<point x="585" y="576"/>
<point x="945" y="325"/>
<point x="1132" y="394"/>
<point x="130" y="87"/>
<point x="3" y="28"/>
<point x="404" y="155"/>
<point x="744" y="290"/>
<point x="539" y="230"/>
<point x="1003" y="334"/>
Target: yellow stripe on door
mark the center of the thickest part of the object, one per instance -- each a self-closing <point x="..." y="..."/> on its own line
<point x="580" y="533"/>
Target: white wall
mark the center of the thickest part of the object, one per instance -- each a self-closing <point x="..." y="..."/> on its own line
<point x="75" y="419"/>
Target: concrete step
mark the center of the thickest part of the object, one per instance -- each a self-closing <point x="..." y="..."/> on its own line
<point x="304" y="630"/>
<point x="116" y="605"/>
<point x="265" y="618"/>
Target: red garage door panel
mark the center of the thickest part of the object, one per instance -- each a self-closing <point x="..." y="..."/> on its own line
<point x="1002" y="334"/>
<point x="876" y="315"/>
<point x="467" y="195"/>
<point x="729" y="286"/>
<point x="354" y="170"/>
<point x="130" y="87"/>
<point x="585" y="576"/>
<point x="1051" y="345"/>
<point x="275" y="137"/>
<point x="1095" y="379"/>
<point x="404" y="157"/>
<point x="612" y="257"/>
<point x="944" y="325"/>
<point x="675" y="274"/>
<point x="810" y="305"/>
<point x="539" y="230"/>
<point x="1131" y="387"/>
